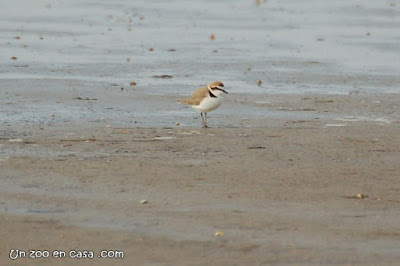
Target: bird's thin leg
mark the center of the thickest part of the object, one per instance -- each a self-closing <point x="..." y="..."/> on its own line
<point x="205" y="120"/>
<point x="202" y="118"/>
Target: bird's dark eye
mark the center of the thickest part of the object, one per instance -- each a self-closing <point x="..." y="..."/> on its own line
<point x="222" y="85"/>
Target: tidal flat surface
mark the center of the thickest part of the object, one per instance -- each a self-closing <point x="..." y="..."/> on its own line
<point x="55" y="52"/>
<point x="300" y="165"/>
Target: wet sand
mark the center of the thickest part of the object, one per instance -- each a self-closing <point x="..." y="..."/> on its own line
<point x="301" y="168"/>
<point x="284" y="193"/>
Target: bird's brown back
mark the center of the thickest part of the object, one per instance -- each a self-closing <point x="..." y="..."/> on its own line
<point x="198" y="95"/>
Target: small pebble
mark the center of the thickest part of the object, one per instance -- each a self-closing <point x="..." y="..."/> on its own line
<point x="144" y="201"/>
<point x="15" y="140"/>
<point x="360" y="196"/>
<point x="219" y="233"/>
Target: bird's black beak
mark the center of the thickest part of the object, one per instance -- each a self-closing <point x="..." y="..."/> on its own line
<point x="223" y="90"/>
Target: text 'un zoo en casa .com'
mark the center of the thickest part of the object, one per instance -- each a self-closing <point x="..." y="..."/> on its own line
<point x="16" y="254"/>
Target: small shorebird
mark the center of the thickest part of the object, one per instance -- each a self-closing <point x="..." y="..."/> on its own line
<point x="206" y="99"/>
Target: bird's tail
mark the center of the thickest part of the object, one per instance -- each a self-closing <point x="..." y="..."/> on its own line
<point x="184" y="101"/>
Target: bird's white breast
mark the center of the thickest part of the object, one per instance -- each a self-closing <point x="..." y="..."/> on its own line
<point x="208" y="104"/>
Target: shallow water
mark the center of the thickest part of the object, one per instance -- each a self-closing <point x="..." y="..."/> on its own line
<point x="67" y="49"/>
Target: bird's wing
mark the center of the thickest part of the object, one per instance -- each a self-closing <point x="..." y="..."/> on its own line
<point x="197" y="96"/>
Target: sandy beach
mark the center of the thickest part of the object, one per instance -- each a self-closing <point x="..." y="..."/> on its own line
<point x="286" y="193"/>
<point x="300" y="164"/>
